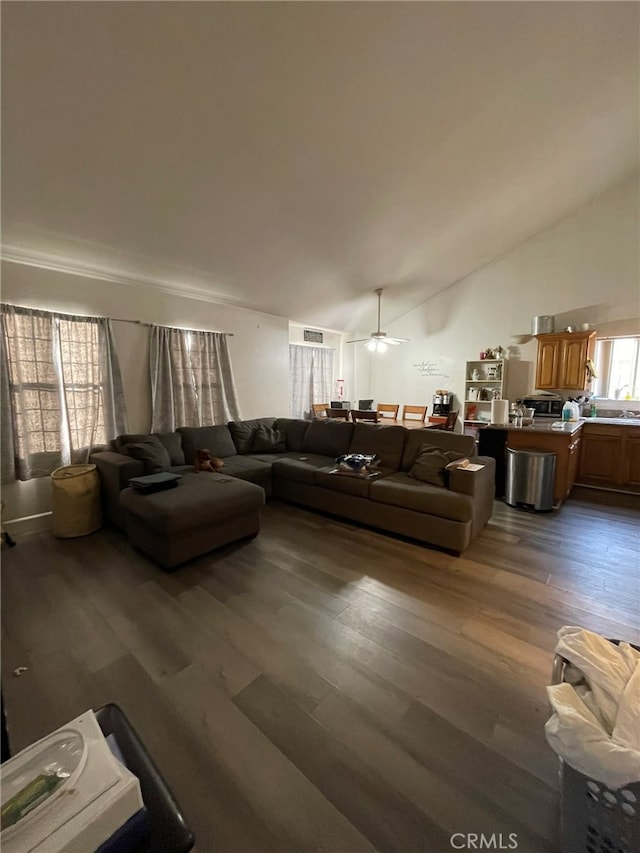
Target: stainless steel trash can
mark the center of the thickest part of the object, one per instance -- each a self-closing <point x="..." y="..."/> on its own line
<point x="530" y="475"/>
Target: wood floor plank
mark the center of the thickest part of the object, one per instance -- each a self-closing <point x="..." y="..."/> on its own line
<point x="276" y="789"/>
<point x="384" y="816"/>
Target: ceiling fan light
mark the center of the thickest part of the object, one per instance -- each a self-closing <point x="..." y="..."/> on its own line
<point x="376" y="345"/>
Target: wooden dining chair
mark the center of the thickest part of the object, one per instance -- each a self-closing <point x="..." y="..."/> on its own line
<point x="319" y="410"/>
<point x="388" y="410"/>
<point x="410" y="413"/>
<point x="450" y="423"/>
<point x="364" y="415"/>
<point x="338" y="413"/>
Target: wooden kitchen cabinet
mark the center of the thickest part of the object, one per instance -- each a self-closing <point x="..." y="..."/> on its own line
<point x="562" y="360"/>
<point x="610" y="457"/>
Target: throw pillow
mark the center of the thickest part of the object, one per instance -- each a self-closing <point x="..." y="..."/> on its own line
<point x="431" y="464"/>
<point x="268" y="440"/>
<point x="152" y="453"/>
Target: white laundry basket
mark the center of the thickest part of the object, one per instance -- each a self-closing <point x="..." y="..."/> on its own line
<point x="75" y="501"/>
<point x="595" y="819"/>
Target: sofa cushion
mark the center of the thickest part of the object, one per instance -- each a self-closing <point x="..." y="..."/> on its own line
<point x="294" y="432"/>
<point x="217" y="439"/>
<point x="346" y="482"/>
<point x="242" y="432"/>
<point x="266" y="439"/>
<point x="431" y="463"/>
<point x="464" y="444"/>
<point x="327" y="437"/>
<point x="173" y="443"/>
<point x="152" y="453"/>
<point x="387" y="442"/>
<point x="301" y="468"/>
<point x="403" y="491"/>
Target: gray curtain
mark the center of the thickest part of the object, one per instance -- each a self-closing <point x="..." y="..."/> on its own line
<point x="192" y="380"/>
<point x="62" y="390"/>
<point x="310" y="378"/>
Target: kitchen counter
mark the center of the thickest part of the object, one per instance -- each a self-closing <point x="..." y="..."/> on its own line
<point x="564" y="441"/>
<point x="613" y="421"/>
<point x="541" y="427"/>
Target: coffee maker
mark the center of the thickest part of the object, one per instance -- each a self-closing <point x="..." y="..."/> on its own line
<point x="442" y="403"/>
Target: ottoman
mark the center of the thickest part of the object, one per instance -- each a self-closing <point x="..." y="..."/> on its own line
<point x="203" y="512"/>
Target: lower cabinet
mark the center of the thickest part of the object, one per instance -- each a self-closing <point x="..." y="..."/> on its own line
<point x="567" y="450"/>
<point x="610" y="457"/>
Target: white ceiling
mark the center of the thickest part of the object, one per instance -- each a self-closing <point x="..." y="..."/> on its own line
<point x="292" y="157"/>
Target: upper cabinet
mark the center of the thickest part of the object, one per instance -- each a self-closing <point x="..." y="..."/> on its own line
<point x="562" y="360"/>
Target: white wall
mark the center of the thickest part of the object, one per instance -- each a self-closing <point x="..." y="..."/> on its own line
<point x="259" y="347"/>
<point x="583" y="269"/>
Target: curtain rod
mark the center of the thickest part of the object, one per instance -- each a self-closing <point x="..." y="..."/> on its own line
<point x="113" y="319"/>
<point x="180" y="328"/>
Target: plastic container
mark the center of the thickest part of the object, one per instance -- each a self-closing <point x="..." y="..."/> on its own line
<point x="571" y="412"/>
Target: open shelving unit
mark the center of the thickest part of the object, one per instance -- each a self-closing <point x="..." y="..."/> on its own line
<point x="490" y="376"/>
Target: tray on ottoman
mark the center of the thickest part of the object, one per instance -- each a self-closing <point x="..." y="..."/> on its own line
<point x="203" y="512"/>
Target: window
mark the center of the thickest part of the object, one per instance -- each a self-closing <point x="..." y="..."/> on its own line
<point x="62" y="391"/>
<point x="191" y="379"/>
<point x="310" y="377"/>
<point x="618" y="368"/>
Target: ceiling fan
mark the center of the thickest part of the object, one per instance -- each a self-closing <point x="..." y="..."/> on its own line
<point x="378" y="340"/>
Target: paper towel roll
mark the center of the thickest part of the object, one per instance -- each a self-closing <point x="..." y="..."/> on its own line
<point x="500" y="412"/>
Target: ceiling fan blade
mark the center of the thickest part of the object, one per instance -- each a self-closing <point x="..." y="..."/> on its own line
<point x="359" y="340"/>
<point x="396" y="341"/>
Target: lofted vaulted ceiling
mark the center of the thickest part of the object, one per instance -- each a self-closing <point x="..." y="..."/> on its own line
<point x="293" y="157"/>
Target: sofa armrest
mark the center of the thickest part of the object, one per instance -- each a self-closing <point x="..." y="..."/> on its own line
<point x="473" y="483"/>
<point x="115" y="470"/>
<point x="480" y="486"/>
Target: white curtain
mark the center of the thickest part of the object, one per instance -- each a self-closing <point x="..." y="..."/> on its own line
<point x="61" y="388"/>
<point x="310" y="378"/>
<point x="192" y="381"/>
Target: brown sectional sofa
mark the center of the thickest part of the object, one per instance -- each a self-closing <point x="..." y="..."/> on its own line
<point x="297" y="469"/>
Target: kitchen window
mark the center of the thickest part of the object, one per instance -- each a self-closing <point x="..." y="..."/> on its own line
<point x="618" y="367"/>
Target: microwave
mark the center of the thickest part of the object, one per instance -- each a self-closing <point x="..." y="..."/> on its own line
<point x="544" y="407"/>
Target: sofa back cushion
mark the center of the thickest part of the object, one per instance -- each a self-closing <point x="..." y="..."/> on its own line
<point x="328" y="437"/>
<point x="152" y="453"/>
<point x="243" y="432"/>
<point x="387" y="442"/>
<point x="173" y="444"/>
<point x="217" y="439"/>
<point x="463" y="444"/>
<point x="294" y="431"/>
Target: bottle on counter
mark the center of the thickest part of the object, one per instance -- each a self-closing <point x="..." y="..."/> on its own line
<point x="518" y="420"/>
<point x="593" y="410"/>
<point x="567" y="412"/>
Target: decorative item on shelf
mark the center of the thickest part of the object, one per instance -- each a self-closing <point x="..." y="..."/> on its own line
<point x="475" y="375"/>
<point x="472" y="394"/>
<point x="500" y="352"/>
<point x="488" y="353"/>
<point x="492" y="372"/>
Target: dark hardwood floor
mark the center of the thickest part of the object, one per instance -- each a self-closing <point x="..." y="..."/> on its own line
<point x="324" y="687"/>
